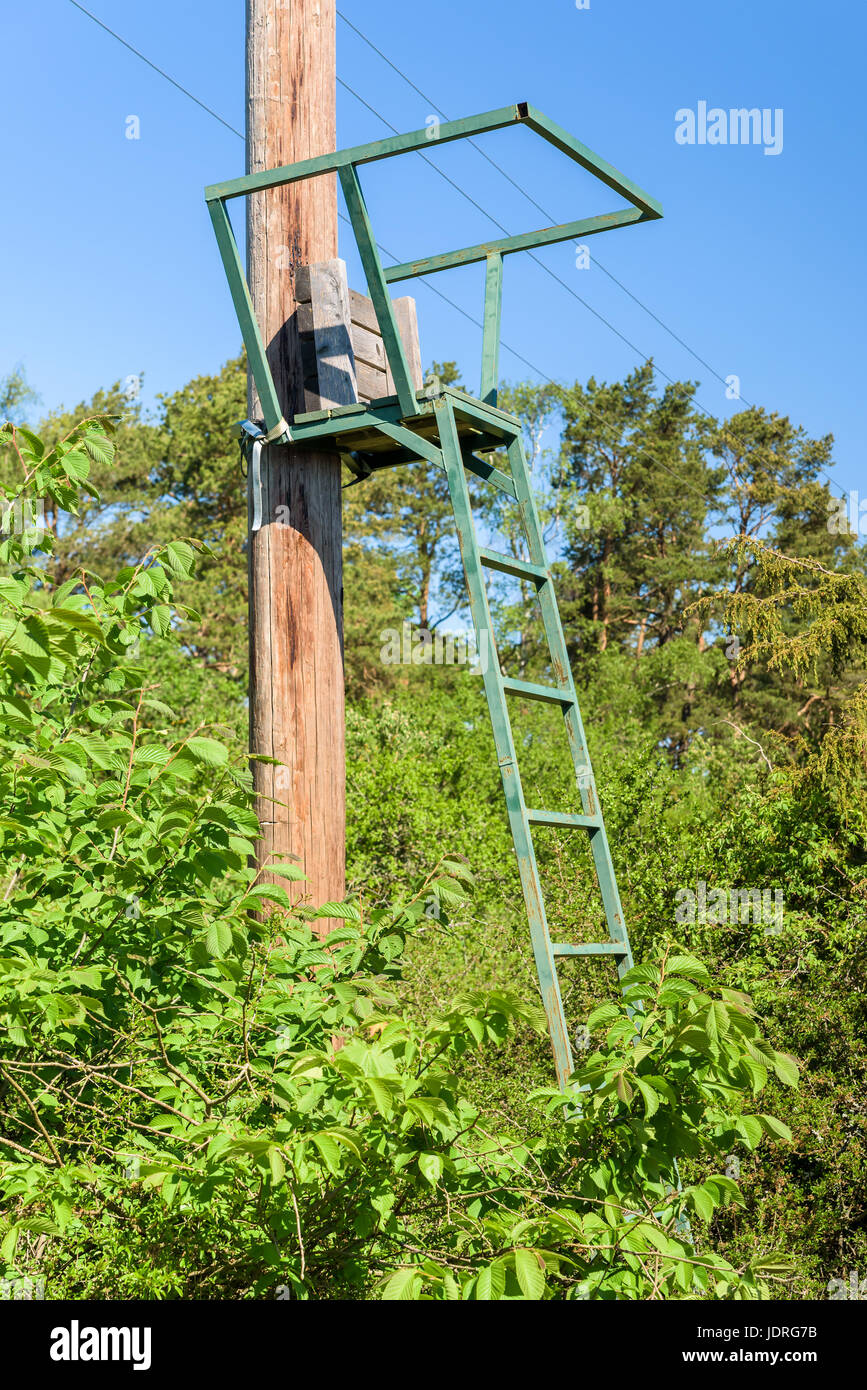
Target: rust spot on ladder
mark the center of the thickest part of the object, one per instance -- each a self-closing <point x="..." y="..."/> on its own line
<point x="557" y="1031"/>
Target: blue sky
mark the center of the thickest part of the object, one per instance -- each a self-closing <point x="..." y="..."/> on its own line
<point x="111" y="270"/>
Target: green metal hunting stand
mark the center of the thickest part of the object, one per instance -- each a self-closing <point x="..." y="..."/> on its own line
<point x="454" y="431"/>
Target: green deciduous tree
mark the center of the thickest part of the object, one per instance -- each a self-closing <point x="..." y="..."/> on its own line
<point x="201" y="1099"/>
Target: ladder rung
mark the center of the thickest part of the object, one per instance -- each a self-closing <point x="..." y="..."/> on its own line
<point x="548" y="693"/>
<point x="606" y="948"/>
<point x="522" y="569"/>
<point x="569" y="822"/>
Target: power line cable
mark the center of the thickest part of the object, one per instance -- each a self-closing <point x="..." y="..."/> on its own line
<point x="186" y="93"/>
<point x="536" y="204"/>
<point x="217" y="117"/>
<point x="487" y="213"/>
<point x="469" y="198"/>
<point x="431" y="288"/>
<point x="834" y="483"/>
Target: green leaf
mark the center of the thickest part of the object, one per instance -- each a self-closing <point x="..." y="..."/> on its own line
<point x="383" y="1092"/>
<point x="267" y="892"/>
<point x="41" y="1226"/>
<point x="491" y="1282"/>
<point x="101" y="450"/>
<point x="779" y="1264"/>
<point x="703" y="1202"/>
<point x="160" y="619"/>
<point x="624" y="1090"/>
<point x="606" y="1013"/>
<point x="651" y="1099"/>
<point x="775" y="1128"/>
<point x="73" y="617"/>
<point x="717" y="1021"/>
<point x="431" y="1167"/>
<point x="749" y="1127"/>
<point x="329" y="1150"/>
<point x="458" y="870"/>
<point x="291" y="871"/>
<point x="530" y="1271"/>
<point x="180" y="557"/>
<point x="401" y="1286"/>
<point x="786" y="1068"/>
<point x="76" y="464"/>
<point x="9" y="1244"/>
<point x="152" y="754"/>
<point x="687" y="965"/>
<point x="37" y="448"/>
<point x="756" y="1072"/>
<point x="207" y="750"/>
<point x="218" y="939"/>
<point x="116" y="815"/>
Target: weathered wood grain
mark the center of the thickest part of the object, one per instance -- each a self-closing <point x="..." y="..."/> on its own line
<point x="295" y="559"/>
<point x="332" y="340"/>
<point x="407" y="322"/>
<point x="373" y="380"/>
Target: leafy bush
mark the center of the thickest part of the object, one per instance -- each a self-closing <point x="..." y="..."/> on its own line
<point x="200" y="1098"/>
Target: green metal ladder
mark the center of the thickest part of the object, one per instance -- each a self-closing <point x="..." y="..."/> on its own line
<point x="452" y="430"/>
<point x="522" y="818"/>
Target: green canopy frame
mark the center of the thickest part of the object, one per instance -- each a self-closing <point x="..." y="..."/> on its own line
<point x="346" y="163"/>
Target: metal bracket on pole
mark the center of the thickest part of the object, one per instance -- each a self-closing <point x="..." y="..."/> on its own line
<point x="252" y="433"/>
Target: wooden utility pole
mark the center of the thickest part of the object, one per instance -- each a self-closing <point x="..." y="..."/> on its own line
<point x="295" y="559"/>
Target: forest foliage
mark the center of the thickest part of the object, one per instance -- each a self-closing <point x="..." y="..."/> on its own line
<point x="199" y="1100"/>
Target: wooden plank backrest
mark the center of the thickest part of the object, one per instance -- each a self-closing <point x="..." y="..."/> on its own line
<point x="342" y="348"/>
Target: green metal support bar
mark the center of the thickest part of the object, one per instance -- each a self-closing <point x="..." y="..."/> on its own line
<point x="228" y="247"/>
<point x="546" y="694"/>
<point x="422" y="446"/>
<point x="382" y="302"/>
<point x="605" y="948"/>
<point x="332" y="424"/>
<point x="520" y="569"/>
<point x="489" y="474"/>
<point x="563" y="820"/>
<point x="491" y="338"/>
<point x="496" y="422"/>
<point x="556" y="135"/>
<point x="410" y="440"/>
<point x="490" y="414"/>
<point x="365" y="154"/>
<point x="506" y="246"/>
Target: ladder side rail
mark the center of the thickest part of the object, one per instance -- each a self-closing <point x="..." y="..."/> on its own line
<point x="590" y="802"/>
<point x="504" y="742"/>
<point x="532" y="525"/>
